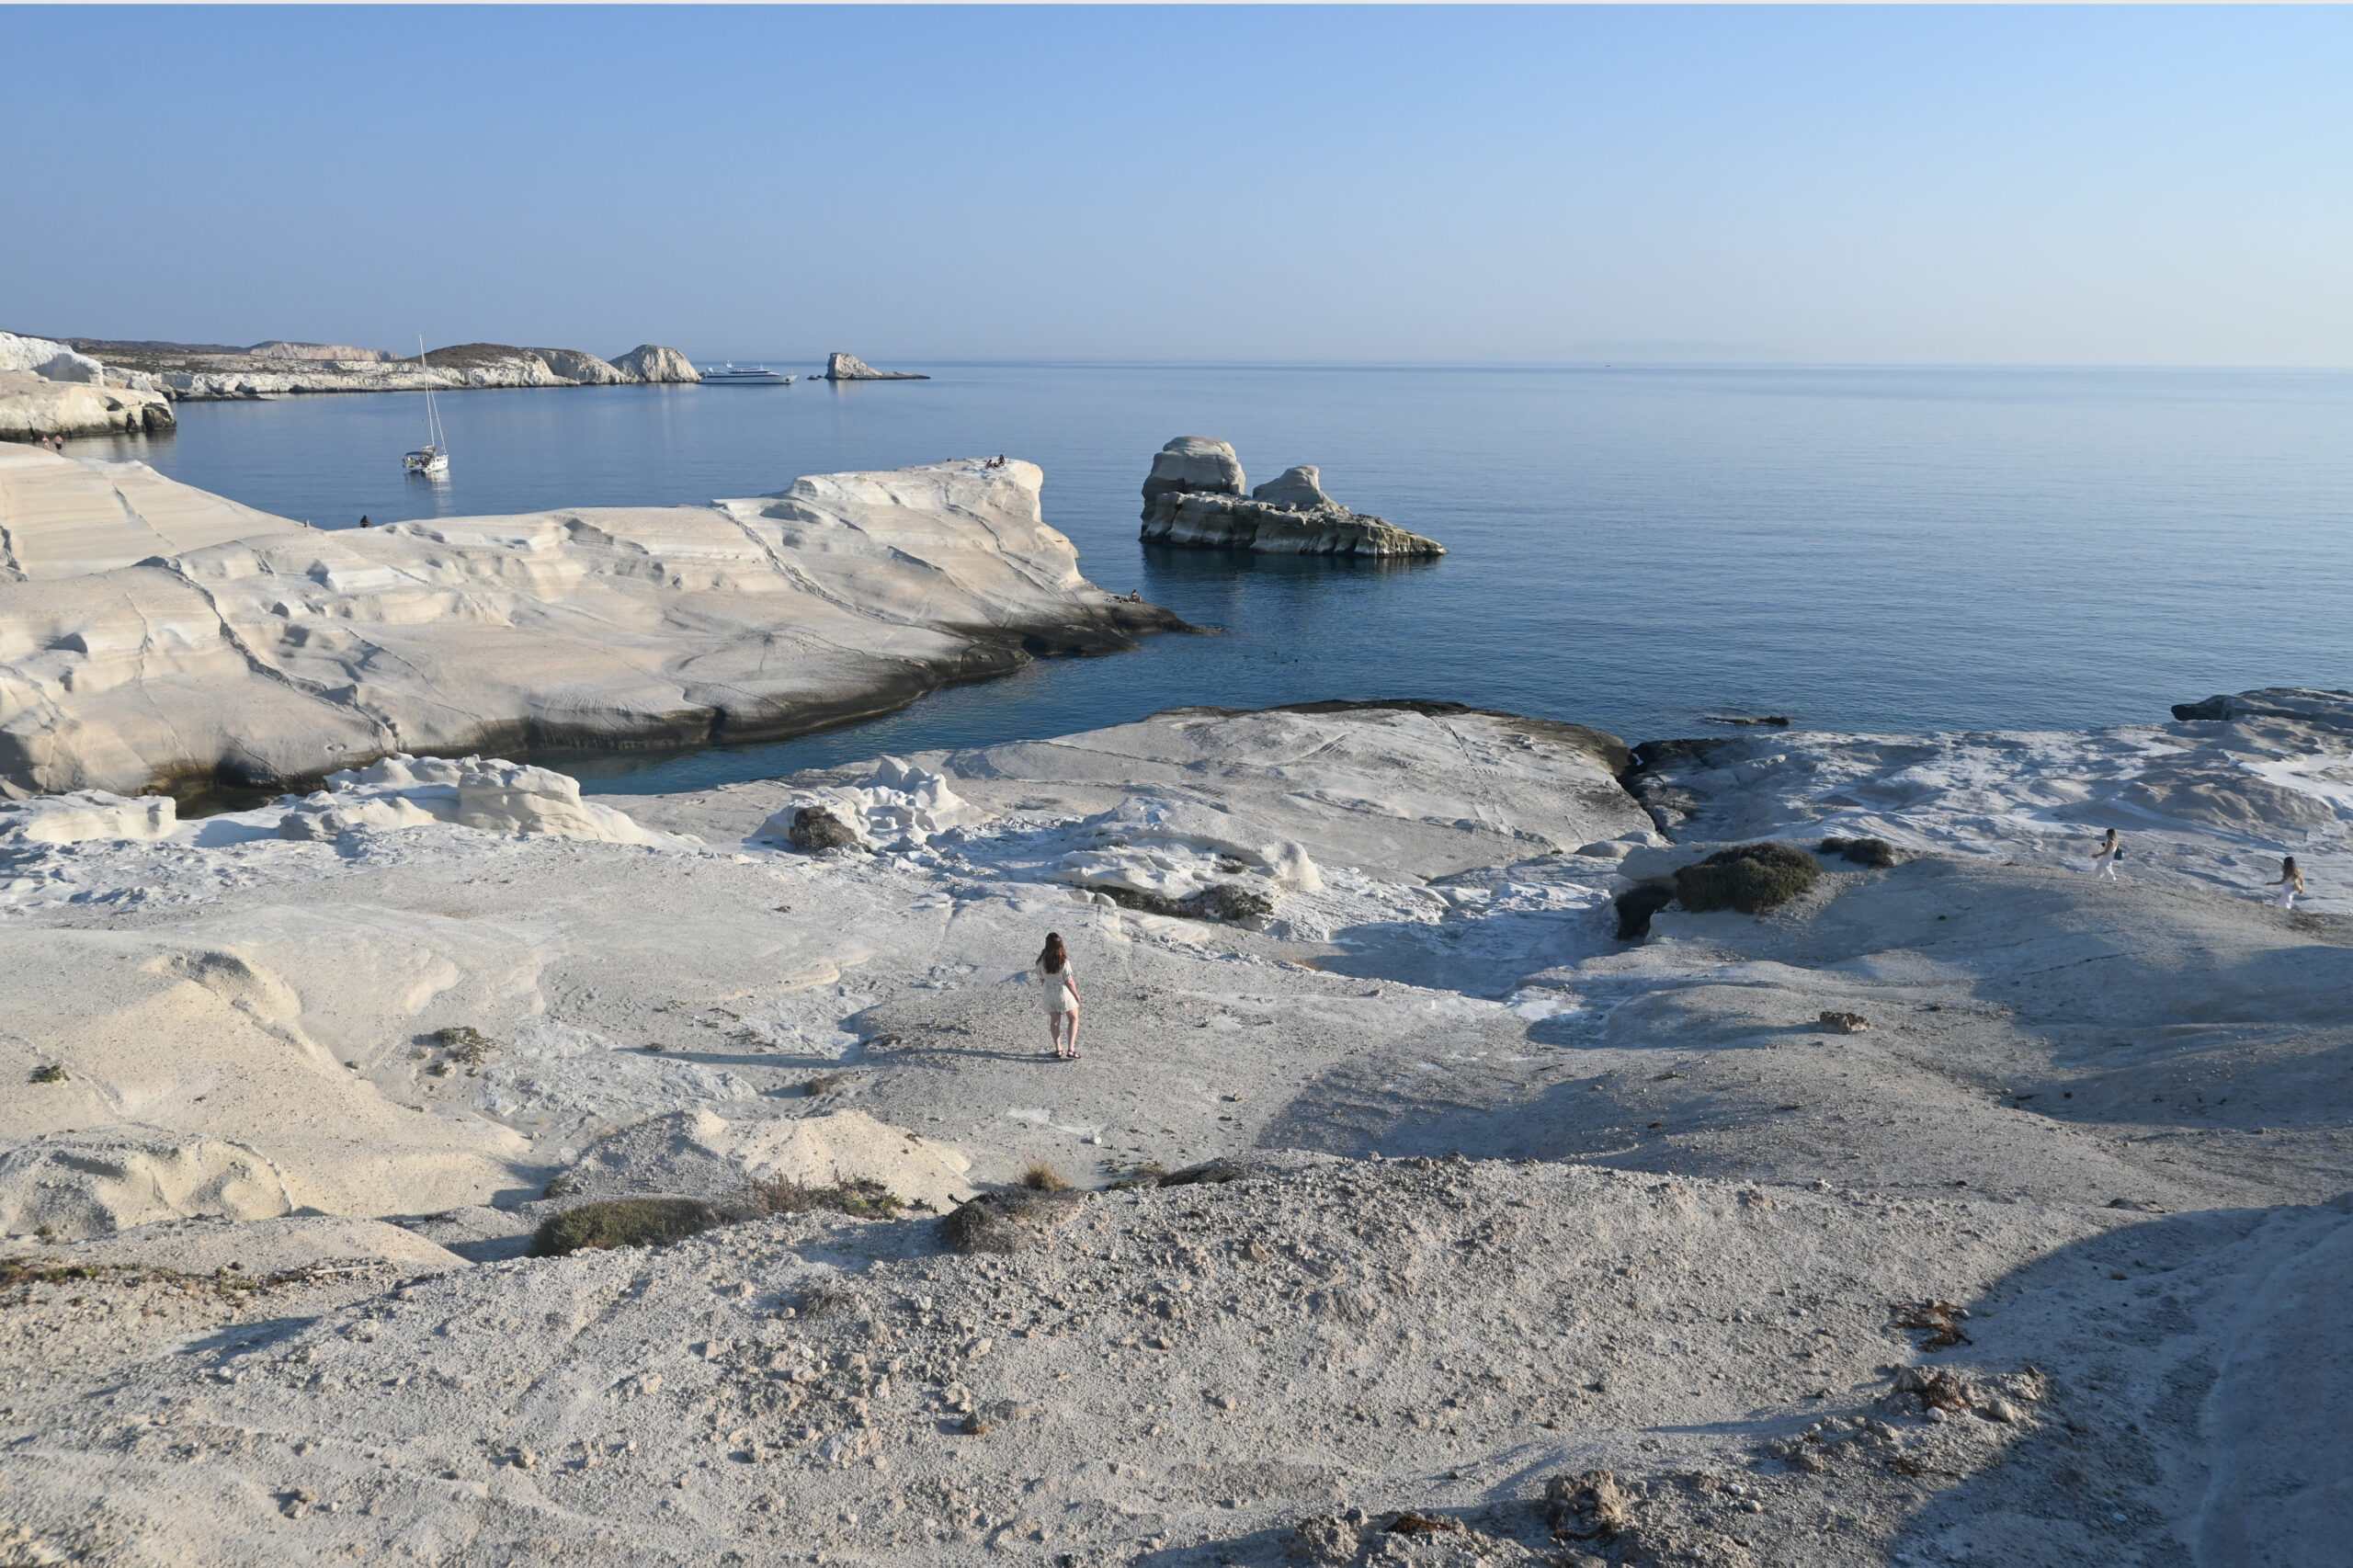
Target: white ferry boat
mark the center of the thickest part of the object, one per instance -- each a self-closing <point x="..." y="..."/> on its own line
<point x="745" y="376"/>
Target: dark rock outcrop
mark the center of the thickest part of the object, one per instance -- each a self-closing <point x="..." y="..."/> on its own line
<point x="814" y="828"/>
<point x="2312" y="705"/>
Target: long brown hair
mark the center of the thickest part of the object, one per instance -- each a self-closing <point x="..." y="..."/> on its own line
<point x="1055" y="958"/>
<point x="2290" y="874"/>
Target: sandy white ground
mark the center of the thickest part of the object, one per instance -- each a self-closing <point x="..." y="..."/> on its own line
<point x="2108" y="1119"/>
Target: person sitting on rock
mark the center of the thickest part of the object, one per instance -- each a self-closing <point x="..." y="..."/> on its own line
<point x="2112" y="850"/>
<point x="364" y="522"/>
<point x="1058" y="981"/>
<point x="2290" y="883"/>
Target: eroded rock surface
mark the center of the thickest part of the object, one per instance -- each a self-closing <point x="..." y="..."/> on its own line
<point x="51" y="389"/>
<point x="202" y="373"/>
<point x="1193" y="496"/>
<point x="280" y="653"/>
<point x="1417" y="1220"/>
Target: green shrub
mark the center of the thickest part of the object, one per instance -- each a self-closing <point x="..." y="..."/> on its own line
<point x="622" y="1222"/>
<point x="1750" y="878"/>
<point x="467" y="1045"/>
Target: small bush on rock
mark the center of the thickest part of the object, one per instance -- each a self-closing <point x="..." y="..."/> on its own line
<point x="467" y="1046"/>
<point x="1751" y="878"/>
<point x="1004" y="1221"/>
<point x="1864" y="851"/>
<point x="1043" y="1177"/>
<point x="622" y="1222"/>
<point x="1229" y="902"/>
<point x="859" y="1196"/>
<point x="815" y="829"/>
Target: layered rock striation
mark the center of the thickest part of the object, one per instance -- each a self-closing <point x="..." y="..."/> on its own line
<point x="850" y="368"/>
<point x="212" y="373"/>
<point x="51" y="389"/>
<point x="66" y="518"/>
<point x="139" y="651"/>
<point x="1194" y="496"/>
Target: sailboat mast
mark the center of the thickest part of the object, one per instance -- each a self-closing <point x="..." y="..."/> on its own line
<point x="432" y="410"/>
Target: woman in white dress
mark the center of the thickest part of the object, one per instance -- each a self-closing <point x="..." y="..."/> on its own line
<point x="1058" y="981"/>
<point x="2112" y="850"/>
<point x="2290" y="883"/>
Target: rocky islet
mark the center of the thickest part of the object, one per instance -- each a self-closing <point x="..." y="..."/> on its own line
<point x="1194" y="498"/>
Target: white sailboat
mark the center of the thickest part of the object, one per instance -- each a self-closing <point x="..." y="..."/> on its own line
<point x="432" y="459"/>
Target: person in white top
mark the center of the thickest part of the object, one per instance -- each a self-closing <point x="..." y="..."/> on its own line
<point x="1058" y="981"/>
<point x="2112" y="850"/>
<point x="2290" y="883"/>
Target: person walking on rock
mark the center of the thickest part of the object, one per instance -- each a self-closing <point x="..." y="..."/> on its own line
<point x="2290" y="883"/>
<point x="2112" y="850"/>
<point x="1058" y="981"/>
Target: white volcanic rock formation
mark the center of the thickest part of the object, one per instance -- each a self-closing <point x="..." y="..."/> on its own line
<point x="1193" y="496"/>
<point x="51" y="389"/>
<point x="653" y="363"/>
<point x="1583" y="1251"/>
<point x="278" y="349"/>
<point x="850" y="368"/>
<point x="288" y="653"/>
<point x="202" y="372"/>
<point x="68" y="516"/>
<point x="50" y="361"/>
<point x="85" y="814"/>
<point x="898" y="808"/>
<point x="489" y="796"/>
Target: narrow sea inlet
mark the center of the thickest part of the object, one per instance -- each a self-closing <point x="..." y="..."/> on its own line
<point x="1643" y="549"/>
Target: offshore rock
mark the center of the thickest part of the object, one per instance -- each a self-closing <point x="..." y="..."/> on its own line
<point x="1192" y="465"/>
<point x="651" y="362"/>
<point x="850" y="368"/>
<point x="1193" y="497"/>
<point x="1301" y="486"/>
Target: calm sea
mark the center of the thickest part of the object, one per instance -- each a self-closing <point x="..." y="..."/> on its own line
<point x="1639" y="549"/>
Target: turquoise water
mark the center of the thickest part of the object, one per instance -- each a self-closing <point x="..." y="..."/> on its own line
<point x="1639" y="549"/>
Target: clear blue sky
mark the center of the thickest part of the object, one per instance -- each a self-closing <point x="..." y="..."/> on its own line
<point x="2110" y="185"/>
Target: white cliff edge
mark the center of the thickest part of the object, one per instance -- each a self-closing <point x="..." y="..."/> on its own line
<point x="150" y="632"/>
<point x="47" y="388"/>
